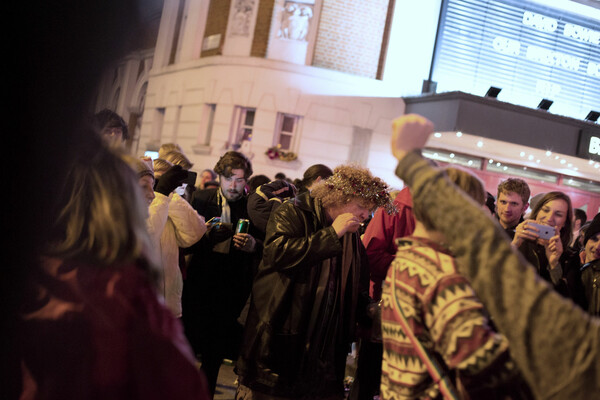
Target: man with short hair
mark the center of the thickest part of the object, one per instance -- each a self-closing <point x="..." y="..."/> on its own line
<point x="219" y="276"/>
<point x="112" y="128"/>
<point x="511" y="204"/>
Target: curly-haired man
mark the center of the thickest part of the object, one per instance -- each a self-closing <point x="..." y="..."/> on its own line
<point x="310" y="290"/>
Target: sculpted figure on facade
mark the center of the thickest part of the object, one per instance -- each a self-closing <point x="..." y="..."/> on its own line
<point x="240" y="21"/>
<point x="295" y="21"/>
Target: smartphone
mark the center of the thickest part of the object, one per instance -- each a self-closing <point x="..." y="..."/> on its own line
<point x="214" y="220"/>
<point x="152" y="154"/>
<point x="180" y="190"/>
<point x="191" y="178"/>
<point x="545" y="231"/>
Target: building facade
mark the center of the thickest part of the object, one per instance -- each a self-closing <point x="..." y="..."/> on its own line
<point x="294" y="83"/>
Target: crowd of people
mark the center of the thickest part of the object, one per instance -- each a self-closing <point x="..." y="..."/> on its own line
<point x="145" y="266"/>
<point x="141" y="277"/>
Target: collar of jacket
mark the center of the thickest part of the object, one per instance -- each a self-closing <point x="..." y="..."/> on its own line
<point x="594" y="264"/>
<point x="305" y="202"/>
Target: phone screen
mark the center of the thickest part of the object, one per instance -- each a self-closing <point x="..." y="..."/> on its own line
<point x="180" y="190"/>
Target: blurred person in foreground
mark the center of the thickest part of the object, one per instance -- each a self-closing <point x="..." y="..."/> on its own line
<point x="310" y="290"/>
<point x="92" y="324"/>
<point x="555" y="344"/>
<point x="431" y="317"/>
<point x="88" y="347"/>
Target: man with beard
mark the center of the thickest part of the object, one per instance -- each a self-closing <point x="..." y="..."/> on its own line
<point x="219" y="276"/>
<point x="512" y="202"/>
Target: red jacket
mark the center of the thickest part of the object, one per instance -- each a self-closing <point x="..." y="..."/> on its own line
<point x="381" y="234"/>
<point x="95" y="332"/>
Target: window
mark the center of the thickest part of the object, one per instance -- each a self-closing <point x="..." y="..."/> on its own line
<point x="245" y="124"/>
<point x="157" y="124"/>
<point x="521" y="171"/>
<point x="361" y="144"/>
<point x="530" y="50"/>
<point x="286" y="129"/>
<point x="209" y="118"/>
<point x="453" y="158"/>
<point x="177" y="32"/>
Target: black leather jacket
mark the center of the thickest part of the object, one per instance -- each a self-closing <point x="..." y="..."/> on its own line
<point x="286" y="350"/>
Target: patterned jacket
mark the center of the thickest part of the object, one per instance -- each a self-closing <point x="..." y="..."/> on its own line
<point x="446" y="316"/>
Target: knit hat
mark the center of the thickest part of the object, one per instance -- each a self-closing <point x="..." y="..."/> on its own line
<point x="143" y="165"/>
<point x="593" y="229"/>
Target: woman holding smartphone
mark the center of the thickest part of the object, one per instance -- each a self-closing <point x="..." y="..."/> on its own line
<point x="553" y="259"/>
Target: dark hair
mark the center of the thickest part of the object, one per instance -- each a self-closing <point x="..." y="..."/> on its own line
<point x="101" y="218"/>
<point x="515" y="185"/>
<point x="280" y="175"/>
<point x="233" y="160"/>
<point x="580" y="215"/>
<point x="110" y="119"/>
<point x="256" y="181"/>
<point x="311" y="174"/>
<point x="213" y="184"/>
<point x="566" y="233"/>
<point x="211" y="172"/>
<point x="490" y="202"/>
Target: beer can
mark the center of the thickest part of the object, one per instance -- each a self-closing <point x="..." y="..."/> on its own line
<point x="242" y="226"/>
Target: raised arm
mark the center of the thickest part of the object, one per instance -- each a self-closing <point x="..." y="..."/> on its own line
<point x="555" y="344"/>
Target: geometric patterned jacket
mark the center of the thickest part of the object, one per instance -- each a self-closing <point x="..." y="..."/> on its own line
<point x="448" y="319"/>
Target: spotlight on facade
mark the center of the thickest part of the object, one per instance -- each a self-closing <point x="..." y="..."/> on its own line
<point x="592" y="116"/>
<point x="493" y="92"/>
<point x="545" y="104"/>
<point x="429" y="86"/>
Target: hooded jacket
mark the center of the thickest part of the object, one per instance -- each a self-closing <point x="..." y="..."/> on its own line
<point x="292" y="327"/>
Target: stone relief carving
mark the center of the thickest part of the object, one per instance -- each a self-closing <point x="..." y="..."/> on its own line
<point x="240" y="21"/>
<point x="295" y="21"/>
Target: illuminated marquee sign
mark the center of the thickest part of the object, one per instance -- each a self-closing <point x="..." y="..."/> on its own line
<point x="594" y="147"/>
<point x="529" y="50"/>
<point x="589" y="144"/>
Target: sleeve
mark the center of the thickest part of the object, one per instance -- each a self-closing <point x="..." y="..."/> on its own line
<point x="364" y="300"/>
<point x="259" y="210"/>
<point x="379" y="241"/>
<point x="158" y="212"/>
<point x="152" y="326"/>
<point x="554" y="343"/>
<point x="189" y="225"/>
<point x="289" y="244"/>
<point x="461" y="333"/>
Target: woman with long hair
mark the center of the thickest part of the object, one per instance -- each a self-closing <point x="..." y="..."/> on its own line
<point x="91" y="324"/>
<point x="553" y="259"/>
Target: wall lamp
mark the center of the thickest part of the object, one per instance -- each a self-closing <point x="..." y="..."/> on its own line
<point x="545" y="104"/>
<point x="493" y="92"/>
<point x="592" y="116"/>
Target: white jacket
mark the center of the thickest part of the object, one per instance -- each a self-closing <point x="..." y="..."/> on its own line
<point x="173" y="223"/>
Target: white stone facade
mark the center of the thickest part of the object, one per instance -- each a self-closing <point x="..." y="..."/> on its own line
<point x="196" y="101"/>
